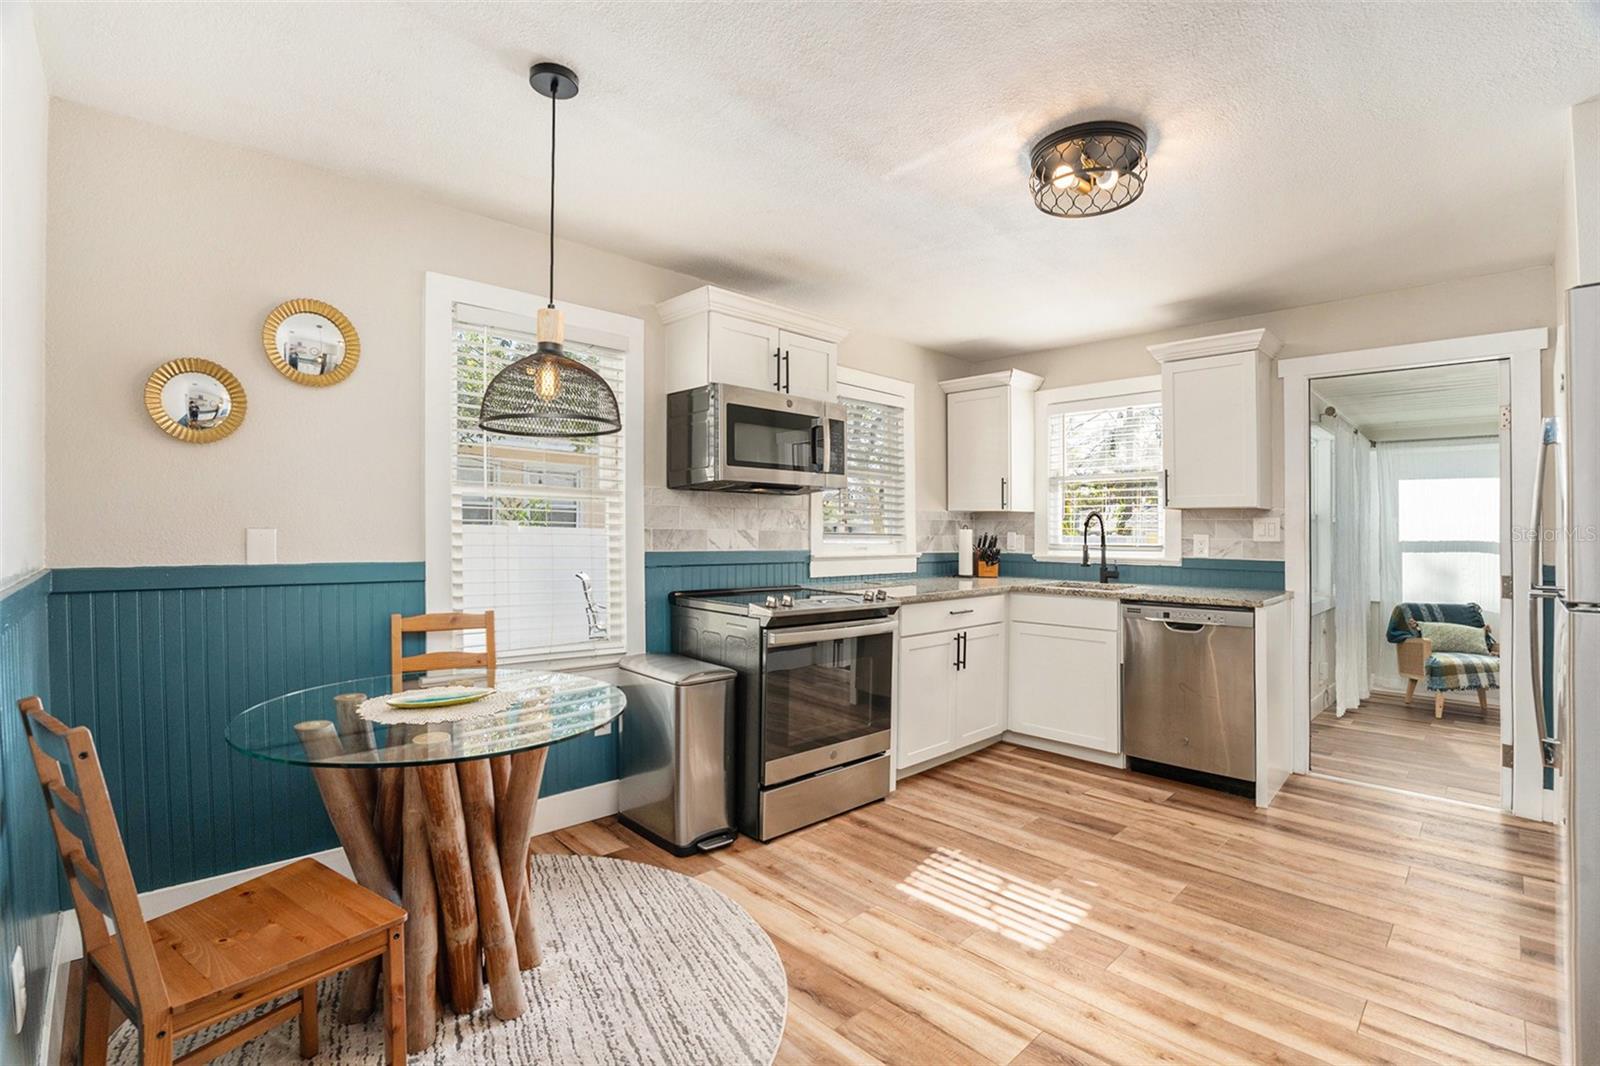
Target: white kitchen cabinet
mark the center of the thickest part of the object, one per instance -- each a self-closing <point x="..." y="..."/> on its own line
<point x="713" y="335"/>
<point x="980" y="685"/>
<point x="989" y="443"/>
<point x="1066" y="685"/>
<point x="952" y="680"/>
<point x="1216" y="407"/>
<point x="926" y="725"/>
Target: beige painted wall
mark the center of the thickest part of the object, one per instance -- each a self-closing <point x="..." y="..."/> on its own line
<point x="163" y="245"/>
<point x="22" y="205"/>
<point x="1488" y="304"/>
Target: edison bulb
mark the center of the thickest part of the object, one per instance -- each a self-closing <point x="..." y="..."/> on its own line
<point x="546" y="379"/>
<point x="1107" y="179"/>
<point x="1062" y="176"/>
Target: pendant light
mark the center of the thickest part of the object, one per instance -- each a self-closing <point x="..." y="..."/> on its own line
<point x="548" y="393"/>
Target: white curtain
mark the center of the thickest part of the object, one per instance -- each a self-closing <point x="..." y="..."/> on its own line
<point x="1352" y="567"/>
<point x="1438" y="531"/>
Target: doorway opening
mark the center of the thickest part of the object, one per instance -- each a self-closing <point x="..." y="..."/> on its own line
<point x="1409" y="533"/>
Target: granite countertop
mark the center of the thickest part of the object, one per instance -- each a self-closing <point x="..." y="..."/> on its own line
<point x="934" y="589"/>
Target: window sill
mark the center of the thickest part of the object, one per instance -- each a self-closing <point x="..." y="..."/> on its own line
<point x="861" y="565"/>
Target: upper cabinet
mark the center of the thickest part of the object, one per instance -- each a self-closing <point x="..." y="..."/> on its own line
<point x="1216" y="405"/>
<point x="989" y="441"/>
<point x="714" y="335"/>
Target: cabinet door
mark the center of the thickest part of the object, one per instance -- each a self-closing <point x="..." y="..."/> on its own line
<point x="1065" y="685"/>
<point x="927" y="668"/>
<point x="808" y="366"/>
<point x="978" y="444"/>
<point x="1212" y="432"/>
<point x="981" y="685"/>
<point x="742" y="352"/>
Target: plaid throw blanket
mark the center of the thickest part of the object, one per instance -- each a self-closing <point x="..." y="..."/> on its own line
<point x="1458" y="671"/>
<point x="1448" y="671"/>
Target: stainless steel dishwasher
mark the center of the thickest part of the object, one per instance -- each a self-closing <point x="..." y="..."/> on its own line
<point x="1189" y="693"/>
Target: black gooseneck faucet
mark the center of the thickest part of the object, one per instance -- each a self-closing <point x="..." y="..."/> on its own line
<point x="1108" y="573"/>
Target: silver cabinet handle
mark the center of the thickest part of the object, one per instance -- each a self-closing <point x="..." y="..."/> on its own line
<point x="1002" y="494"/>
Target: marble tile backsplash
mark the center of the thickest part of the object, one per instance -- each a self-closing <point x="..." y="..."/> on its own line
<point x="682" y="520"/>
<point x="1231" y="532"/>
<point x="677" y="520"/>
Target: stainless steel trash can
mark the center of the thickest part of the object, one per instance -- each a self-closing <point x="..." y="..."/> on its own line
<point x="675" y="752"/>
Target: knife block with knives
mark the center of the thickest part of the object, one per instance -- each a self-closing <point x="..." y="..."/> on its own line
<point x="986" y="555"/>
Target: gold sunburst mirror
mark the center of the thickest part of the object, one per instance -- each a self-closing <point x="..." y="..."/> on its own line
<point x="311" y="342"/>
<point x="195" y="400"/>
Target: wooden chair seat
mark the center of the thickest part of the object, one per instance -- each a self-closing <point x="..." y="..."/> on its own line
<point x="284" y="929"/>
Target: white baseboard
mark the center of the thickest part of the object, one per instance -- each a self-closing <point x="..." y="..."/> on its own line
<point x="553" y="812"/>
<point x="55" y="985"/>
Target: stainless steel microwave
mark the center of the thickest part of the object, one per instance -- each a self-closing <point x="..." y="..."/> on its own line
<point x="727" y="438"/>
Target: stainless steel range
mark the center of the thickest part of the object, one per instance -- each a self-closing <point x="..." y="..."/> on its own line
<point x="815" y="686"/>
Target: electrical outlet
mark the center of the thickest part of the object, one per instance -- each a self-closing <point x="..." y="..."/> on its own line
<point x="1013" y="542"/>
<point x="1202" y="546"/>
<point x="1268" y="529"/>
<point x="19" y="991"/>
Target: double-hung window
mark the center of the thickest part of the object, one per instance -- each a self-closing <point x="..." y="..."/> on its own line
<point x="869" y="525"/>
<point x="1100" y="451"/>
<point x="513" y="521"/>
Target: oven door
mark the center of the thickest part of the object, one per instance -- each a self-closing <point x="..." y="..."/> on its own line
<point x="782" y="441"/>
<point x="825" y="696"/>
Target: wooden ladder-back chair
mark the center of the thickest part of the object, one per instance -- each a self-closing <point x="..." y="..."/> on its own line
<point x="401" y="664"/>
<point x="273" y="936"/>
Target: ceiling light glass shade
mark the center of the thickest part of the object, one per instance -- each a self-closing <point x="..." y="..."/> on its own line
<point x="1092" y="168"/>
<point x="549" y="393"/>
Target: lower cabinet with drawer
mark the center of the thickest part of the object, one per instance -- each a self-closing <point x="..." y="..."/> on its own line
<point x="1065" y="682"/>
<point x="952" y="685"/>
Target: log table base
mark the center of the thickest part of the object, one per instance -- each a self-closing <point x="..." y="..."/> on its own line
<point x="458" y="836"/>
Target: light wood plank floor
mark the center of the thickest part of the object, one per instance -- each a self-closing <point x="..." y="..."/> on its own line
<point x="1384" y="742"/>
<point x="1019" y="907"/>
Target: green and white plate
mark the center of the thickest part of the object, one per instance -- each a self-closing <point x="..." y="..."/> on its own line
<point x="449" y="696"/>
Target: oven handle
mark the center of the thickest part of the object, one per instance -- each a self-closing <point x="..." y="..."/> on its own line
<point x="784" y="638"/>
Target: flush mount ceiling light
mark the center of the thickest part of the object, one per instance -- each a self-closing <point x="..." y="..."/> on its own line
<point x="548" y="393"/>
<point x="1092" y="168"/>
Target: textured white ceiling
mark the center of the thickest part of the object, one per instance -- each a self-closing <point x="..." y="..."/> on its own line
<point x="1461" y="400"/>
<point x="868" y="161"/>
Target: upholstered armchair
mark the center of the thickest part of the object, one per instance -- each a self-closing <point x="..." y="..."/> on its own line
<point x="1443" y="670"/>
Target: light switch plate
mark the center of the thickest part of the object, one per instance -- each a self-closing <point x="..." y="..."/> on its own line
<point x="1013" y="542"/>
<point x="260" y="546"/>
<point x="1201" y="548"/>
<point x="1268" y="529"/>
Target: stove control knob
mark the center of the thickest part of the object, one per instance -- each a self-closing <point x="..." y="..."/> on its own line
<point x="772" y="601"/>
<point x="787" y="601"/>
<point x="882" y="595"/>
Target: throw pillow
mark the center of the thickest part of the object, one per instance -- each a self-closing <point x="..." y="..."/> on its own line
<point x="1447" y="636"/>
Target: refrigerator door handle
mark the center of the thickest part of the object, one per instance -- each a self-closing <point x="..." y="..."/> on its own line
<point x="1549" y="746"/>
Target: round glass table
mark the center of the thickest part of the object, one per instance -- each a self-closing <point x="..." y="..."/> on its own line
<point x="434" y="808"/>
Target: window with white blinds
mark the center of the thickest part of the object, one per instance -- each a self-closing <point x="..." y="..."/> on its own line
<point x="872" y="504"/>
<point x="1107" y="459"/>
<point x="870" y="523"/>
<point x="528" y="514"/>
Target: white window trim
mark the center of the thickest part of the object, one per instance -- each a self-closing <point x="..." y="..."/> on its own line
<point x="440" y="293"/>
<point x="844" y="560"/>
<point x="1100" y="393"/>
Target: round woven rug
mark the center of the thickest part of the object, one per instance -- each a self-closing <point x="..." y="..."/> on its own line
<point x="641" y="965"/>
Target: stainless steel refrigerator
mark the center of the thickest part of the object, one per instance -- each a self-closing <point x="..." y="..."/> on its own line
<point x="1567" y="576"/>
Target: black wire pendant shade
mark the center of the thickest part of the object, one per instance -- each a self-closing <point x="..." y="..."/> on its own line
<point x="1093" y="168"/>
<point x="549" y="393"/>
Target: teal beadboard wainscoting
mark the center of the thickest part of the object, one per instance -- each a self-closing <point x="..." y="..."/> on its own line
<point x="29" y="869"/>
